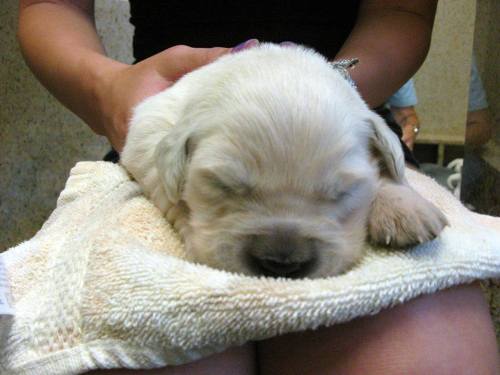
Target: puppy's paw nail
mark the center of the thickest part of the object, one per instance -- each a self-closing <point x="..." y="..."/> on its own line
<point x="420" y="239"/>
<point x="387" y="240"/>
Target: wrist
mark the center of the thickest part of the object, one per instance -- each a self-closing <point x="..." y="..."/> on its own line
<point x="98" y="72"/>
<point x="410" y="120"/>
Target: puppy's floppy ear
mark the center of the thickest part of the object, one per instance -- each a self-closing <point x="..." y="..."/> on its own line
<point x="387" y="147"/>
<point x="171" y="158"/>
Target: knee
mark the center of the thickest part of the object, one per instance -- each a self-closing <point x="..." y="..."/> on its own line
<point x="450" y="332"/>
<point x="450" y="357"/>
<point x="447" y="333"/>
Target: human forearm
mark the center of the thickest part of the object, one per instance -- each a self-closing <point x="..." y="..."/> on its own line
<point x="391" y="40"/>
<point x="61" y="46"/>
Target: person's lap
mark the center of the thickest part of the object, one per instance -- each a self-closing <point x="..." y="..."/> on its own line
<point x="449" y="332"/>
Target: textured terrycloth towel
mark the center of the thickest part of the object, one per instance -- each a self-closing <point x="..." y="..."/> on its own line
<point x="103" y="284"/>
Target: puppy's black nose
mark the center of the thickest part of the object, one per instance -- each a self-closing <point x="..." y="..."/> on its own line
<point x="282" y="253"/>
<point x="274" y="268"/>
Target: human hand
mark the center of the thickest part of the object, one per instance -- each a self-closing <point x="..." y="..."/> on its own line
<point x="125" y="86"/>
<point x="407" y="119"/>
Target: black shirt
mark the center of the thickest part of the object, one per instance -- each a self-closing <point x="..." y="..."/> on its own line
<point x="160" y="24"/>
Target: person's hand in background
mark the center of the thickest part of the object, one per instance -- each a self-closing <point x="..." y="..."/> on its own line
<point x="407" y="119"/>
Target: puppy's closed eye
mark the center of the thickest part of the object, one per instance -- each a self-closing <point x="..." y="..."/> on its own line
<point x="223" y="184"/>
<point x="346" y="194"/>
<point x="343" y="191"/>
<point x="342" y="200"/>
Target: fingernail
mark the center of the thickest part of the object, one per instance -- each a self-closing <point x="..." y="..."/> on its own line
<point x="248" y="44"/>
<point x="288" y="44"/>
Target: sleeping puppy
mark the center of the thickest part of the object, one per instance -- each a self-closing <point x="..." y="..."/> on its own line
<point x="268" y="162"/>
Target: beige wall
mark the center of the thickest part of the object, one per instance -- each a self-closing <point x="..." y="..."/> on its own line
<point x="443" y="80"/>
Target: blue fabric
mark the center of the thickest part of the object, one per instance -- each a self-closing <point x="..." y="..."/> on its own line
<point x="406" y="96"/>
<point x="477" y="96"/>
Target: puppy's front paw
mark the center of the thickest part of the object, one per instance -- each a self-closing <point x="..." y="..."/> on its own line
<point x="400" y="217"/>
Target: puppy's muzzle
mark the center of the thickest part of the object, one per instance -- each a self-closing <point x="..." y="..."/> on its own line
<point x="281" y="252"/>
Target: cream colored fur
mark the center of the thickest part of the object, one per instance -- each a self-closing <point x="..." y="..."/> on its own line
<point x="264" y="157"/>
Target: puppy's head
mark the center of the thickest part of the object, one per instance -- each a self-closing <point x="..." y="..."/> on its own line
<point x="277" y="174"/>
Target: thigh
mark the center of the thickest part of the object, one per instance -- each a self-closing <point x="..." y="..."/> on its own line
<point x="449" y="332"/>
<point x="234" y="361"/>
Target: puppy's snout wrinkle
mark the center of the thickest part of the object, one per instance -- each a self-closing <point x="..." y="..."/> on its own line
<point x="282" y="253"/>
